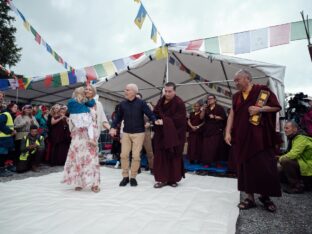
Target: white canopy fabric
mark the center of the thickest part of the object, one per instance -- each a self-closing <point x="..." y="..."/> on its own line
<point x="150" y="75"/>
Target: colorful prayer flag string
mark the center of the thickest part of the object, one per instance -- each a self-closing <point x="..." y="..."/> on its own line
<point x="37" y="36"/>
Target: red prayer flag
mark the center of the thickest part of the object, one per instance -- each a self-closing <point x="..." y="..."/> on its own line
<point x="48" y="81"/>
<point x="194" y="45"/>
<point x="20" y="84"/>
<point x="136" y="56"/>
<point x="61" y="60"/>
<point x="38" y="38"/>
<point x="90" y="73"/>
<point x="279" y="34"/>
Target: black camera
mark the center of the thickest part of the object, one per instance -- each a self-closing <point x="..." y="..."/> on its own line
<point x="298" y="106"/>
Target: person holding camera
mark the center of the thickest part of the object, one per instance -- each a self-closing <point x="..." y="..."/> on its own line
<point x="296" y="163"/>
<point x="32" y="150"/>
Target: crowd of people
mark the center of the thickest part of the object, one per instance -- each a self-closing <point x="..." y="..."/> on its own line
<point x="31" y="135"/>
<point x="245" y="137"/>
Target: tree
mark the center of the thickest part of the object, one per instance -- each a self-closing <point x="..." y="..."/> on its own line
<point x="10" y="54"/>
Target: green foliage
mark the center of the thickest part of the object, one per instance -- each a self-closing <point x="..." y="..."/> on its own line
<point x="9" y="52"/>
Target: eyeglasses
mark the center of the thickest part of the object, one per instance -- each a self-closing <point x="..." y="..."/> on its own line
<point x="210" y="98"/>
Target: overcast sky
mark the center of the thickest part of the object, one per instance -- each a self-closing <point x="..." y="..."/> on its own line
<point x="90" y="32"/>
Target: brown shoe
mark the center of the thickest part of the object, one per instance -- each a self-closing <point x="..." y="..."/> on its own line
<point x="159" y="185"/>
<point x="95" y="189"/>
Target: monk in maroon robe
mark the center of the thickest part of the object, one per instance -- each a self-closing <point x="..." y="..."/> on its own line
<point x="213" y="147"/>
<point x="195" y="142"/>
<point x="253" y="144"/>
<point x="169" y="138"/>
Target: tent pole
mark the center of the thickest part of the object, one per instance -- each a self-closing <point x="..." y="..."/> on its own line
<point x="16" y="96"/>
<point x="167" y="67"/>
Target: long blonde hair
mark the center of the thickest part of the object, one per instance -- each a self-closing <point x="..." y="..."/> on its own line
<point x="53" y="111"/>
<point x="79" y="94"/>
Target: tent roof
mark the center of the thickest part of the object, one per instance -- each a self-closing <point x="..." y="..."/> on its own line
<point x="150" y="75"/>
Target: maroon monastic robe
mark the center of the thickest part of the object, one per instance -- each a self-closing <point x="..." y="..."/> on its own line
<point x="213" y="147"/>
<point x="169" y="140"/>
<point x="253" y="146"/>
<point x="60" y="141"/>
<point x="195" y="138"/>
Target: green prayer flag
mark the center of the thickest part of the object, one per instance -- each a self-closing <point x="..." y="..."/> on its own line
<point x="56" y="80"/>
<point x="100" y="70"/>
<point x="212" y="45"/>
<point x="298" y="31"/>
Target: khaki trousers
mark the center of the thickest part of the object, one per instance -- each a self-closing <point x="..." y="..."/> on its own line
<point x="148" y="148"/>
<point x="130" y="142"/>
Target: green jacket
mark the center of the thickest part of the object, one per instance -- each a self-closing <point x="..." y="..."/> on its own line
<point x="301" y="151"/>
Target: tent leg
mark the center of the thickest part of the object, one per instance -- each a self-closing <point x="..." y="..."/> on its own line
<point x="16" y="100"/>
<point x="167" y="69"/>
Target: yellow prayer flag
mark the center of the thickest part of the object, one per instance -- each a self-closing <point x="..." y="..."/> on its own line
<point x="227" y="43"/>
<point x="139" y="19"/>
<point x="109" y="68"/>
<point x="161" y="52"/>
<point x="64" y="78"/>
<point x="27" y="25"/>
<point x="192" y="75"/>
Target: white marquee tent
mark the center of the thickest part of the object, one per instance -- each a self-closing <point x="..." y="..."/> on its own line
<point x="150" y="74"/>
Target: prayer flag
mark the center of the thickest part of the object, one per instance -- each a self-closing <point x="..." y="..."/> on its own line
<point x="13" y="8"/>
<point x="119" y="64"/>
<point x="48" y="81"/>
<point x="81" y="75"/>
<point x="194" y="45"/>
<point x="90" y="73"/>
<point x="242" y="42"/>
<point x="20" y="14"/>
<point x="13" y="83"/>
<point x="161" y="52"/>
<point x="33" y="31"/>
<point x="49" y="49"/>
<point x="20" y="83"/>
<point x="64" y="78"/>
<point x="26" y="82"/>
<point x="43" y="43"/>
<point x="136" y="56"/>
<point x="259" y="39"/>
<point x="171" y="60"/>
<point x="139" y="19"/>
<point x="279" y="34"/>
<point x="38" y="38"/>
<point x="212" y="45"/>
<point x="109" y="68"/>
<point x="72" y="77"/>
<point x="56" y="80"/>
<point x="27" y="25"/>
<point x="154" y="33"/>
<point x="162" y="41"/>
<point x="181" y="45"/>
<point x="4" y="84"/>
<point x="192" y="75"/>
<point x="298" y="31"/>
<point x="100" y="71"/>
<point x="227" y="43"/>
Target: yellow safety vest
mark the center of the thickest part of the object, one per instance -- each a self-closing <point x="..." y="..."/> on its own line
<point x="24" y="156"/>
<point x="9" y="123"/>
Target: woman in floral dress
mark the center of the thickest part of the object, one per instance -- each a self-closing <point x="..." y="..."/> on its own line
<point x="82" y="167"/>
